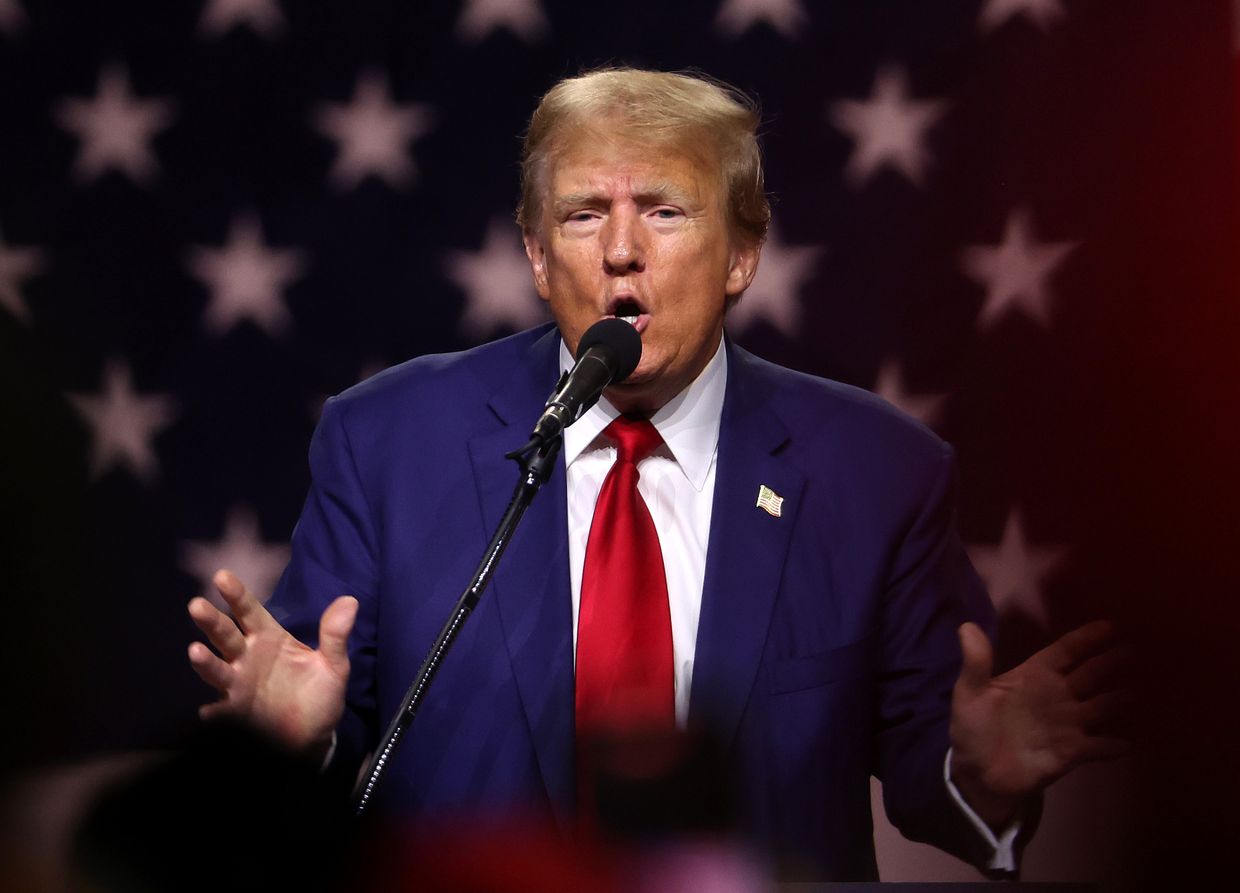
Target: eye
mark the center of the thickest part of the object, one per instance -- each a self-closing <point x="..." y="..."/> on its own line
<point x="667" y="213"/>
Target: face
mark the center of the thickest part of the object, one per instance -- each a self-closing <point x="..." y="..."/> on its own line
<point x="643" y="234"/>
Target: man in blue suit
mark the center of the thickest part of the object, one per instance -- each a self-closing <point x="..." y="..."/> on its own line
<point x="818" y="599"/>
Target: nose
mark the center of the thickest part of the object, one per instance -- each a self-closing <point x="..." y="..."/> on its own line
<point x="623" y="244"/>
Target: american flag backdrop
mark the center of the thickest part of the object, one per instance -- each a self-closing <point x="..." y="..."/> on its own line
<point x="1015" y="219"/>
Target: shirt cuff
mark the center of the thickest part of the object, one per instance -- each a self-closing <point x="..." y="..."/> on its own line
<point x="331" y="753"/>
<point x="1003" y="854"/>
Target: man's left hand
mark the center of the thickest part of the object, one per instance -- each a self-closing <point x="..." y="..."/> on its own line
<point x="1013" y="734"/>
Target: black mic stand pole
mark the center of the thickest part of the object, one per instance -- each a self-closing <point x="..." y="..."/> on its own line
<point x="537" y="460"/>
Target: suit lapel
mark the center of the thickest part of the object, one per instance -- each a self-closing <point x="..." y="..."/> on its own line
<point x="747" y="551"/>
<point x="531" y="586"/>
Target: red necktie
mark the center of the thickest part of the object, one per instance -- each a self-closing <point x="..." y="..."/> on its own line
<point x="624" y="631"/>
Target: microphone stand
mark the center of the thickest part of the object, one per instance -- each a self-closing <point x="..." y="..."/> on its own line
<point x="537" y="460"/>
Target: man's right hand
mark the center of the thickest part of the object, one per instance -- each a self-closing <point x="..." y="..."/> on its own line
<point x="266" y="676"/>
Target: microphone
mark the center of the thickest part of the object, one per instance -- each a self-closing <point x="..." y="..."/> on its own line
<point x="607" y="354"/>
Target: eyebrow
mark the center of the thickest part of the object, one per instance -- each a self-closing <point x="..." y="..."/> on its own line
<point x="653" y="194"/>
<point x="659" y="193"/>
<point x="576" y="198"/>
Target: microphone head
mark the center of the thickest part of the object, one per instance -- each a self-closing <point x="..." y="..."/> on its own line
<point x="620" y="340"/>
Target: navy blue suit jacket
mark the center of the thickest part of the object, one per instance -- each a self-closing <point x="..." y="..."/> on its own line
<point x="827" y="644"/>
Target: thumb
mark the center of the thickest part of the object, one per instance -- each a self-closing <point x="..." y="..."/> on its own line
<point x="978" y="657"/>
<point x="334" y="628"/>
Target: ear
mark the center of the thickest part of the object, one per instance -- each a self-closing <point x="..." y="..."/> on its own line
<point x="537" y="255"/>
<point x="742" y="266"/>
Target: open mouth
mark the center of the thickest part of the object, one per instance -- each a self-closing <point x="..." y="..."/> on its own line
<point x="631" y="312"/>
<point x="627" y="311"/>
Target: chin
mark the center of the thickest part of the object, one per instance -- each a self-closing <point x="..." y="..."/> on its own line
<point x="631" y="389"/>
<point x="642" y="375"/>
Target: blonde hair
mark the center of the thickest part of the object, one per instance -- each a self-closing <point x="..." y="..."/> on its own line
<point x="667" y="109"/>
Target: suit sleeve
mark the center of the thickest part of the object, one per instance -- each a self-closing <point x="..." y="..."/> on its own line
<point x="930" y="590"/>
<point x="334" y="553"/>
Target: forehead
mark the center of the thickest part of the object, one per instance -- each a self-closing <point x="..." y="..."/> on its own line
<point x="589" y="159"/>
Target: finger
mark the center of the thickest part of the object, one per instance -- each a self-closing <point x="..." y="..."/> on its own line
<point x="218" y="627"/>
<point x="1079" y="645"/>
<point x="215" y="710"/>
<point x="249" y="613"/>
<point x="1106" y="709"/>
<point x="1099" y="673"/>
<point x="210" y="669"/>
<point x="978" y="657"/>
<point x="334" y="628"/>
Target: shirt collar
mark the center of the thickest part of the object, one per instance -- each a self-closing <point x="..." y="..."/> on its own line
<point x="688" y="424"/>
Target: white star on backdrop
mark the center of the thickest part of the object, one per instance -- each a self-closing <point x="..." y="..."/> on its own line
<point x="221" y="16"/>
<point x="12" y="18"/>
<point x="737" y="16"/>
<point x="16" y="266"/>
<point x="115" y="129"/>
<point x="524" y="18"/>
<point x="996" y="13"/>
<point x="888" y="129"/>
<point x="891" y="387"/>
<point x="246" y="279"/>
<point x="775" y="294"/>
<point x="1015" y="272"/>
<point x="372" y="134"/>
<point x="240" y="549"/>
<point x="123" y="424"/>
<point x="497" y="284"/>
<point x="1015" y="570"/>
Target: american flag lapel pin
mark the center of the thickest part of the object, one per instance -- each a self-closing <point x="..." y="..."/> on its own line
<point x="770" y="501"/>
